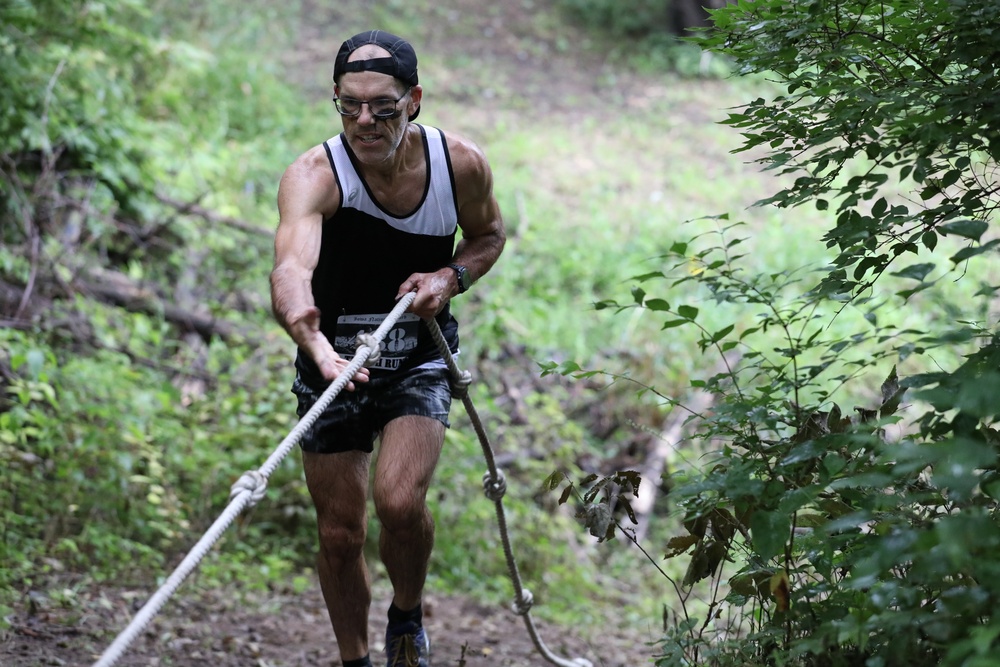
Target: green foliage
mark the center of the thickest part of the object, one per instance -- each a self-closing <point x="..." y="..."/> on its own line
<point x="101" y="105"/>
<point x="882" y="99"/>
<point x="119" y="438"/>
<point x="811" y="536"/>
<point x="814" y="537"/>
<point x="105" y="451"/>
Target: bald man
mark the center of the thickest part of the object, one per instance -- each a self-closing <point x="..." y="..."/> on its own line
<point x="365" y="218"/>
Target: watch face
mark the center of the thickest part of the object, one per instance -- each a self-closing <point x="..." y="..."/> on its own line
<point x="463" y="276"/>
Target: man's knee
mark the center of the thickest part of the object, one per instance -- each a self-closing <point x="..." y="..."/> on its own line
<point x="341" y="541"/>
<point x="400" y="512"/>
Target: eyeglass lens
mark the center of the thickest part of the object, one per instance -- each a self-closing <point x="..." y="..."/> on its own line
<point x="351" y="107"/>
<point x="383" y="108"/>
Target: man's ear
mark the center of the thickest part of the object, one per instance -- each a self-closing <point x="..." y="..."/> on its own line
<point x="416" y="94"/>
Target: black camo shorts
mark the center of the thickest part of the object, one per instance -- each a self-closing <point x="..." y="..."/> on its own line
<point x="354" y="419"/>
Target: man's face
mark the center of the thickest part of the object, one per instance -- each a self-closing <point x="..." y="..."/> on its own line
<point x="373" y="140"/>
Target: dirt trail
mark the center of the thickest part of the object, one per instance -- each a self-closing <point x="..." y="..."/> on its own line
<point x="282" y="630"/>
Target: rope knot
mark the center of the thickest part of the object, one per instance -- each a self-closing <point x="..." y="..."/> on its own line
<point x="368" y="340"/>
<point x="460" y="384"/>
<point x="253" y="481"/>
<point x="522" y="605"/>
<point x="495" y="487"/>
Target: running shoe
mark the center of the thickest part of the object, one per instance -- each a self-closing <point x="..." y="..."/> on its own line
<point x="407" y="645"/>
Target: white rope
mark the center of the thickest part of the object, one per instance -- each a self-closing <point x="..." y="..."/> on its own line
<point x="249" y="489"/>
<point x="495" y="486"/>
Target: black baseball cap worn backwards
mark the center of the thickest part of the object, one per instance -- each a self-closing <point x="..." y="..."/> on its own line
<point x="401" y="62"/>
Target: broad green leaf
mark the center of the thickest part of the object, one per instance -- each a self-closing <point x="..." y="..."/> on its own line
<point x="722" y="333"/>
<point x="970" y="229"/>
<point x="769" y="533"/>
<point x="657" y="304"/>
<point x="973" y="251"/>
<point x="916" y="271"/>
<point x="689" y="312"/>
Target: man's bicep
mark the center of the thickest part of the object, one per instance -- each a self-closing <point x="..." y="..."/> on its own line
<point x="300" y="221"/>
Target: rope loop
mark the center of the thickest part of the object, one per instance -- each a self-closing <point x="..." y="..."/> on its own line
<point x="495" y="487"/>
<point x="522" y="605"/>
<point x="460" y="384"/>
<point x="254" y="482"/>
<point x="368" y="340"/>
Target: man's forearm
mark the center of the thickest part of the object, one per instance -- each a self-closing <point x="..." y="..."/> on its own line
<point x="480" y="253"/>
<point x="291" y="301"/>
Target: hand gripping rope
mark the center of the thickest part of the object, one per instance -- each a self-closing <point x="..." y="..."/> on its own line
<point x="251" y="487"/>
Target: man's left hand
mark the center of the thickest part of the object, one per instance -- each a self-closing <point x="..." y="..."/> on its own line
<point x="434" y="290"/>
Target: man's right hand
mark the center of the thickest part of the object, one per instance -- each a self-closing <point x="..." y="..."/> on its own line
<point x="305" y="331"/>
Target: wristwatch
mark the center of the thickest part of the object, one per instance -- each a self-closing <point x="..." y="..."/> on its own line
<point x="464" y="279"/>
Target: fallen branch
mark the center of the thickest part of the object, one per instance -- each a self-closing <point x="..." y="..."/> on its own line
<point x="192" y="208"/>
<point x="674" y="431"/>
<point x="652" y="469"/>
<point x="116" y="289"/>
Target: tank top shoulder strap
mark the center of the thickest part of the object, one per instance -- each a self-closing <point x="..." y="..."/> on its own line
<point x="442" y="174"/>
<point x="340" y="162"/>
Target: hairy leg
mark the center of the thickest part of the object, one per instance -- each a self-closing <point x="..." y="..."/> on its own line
<point x="407" y="457"/>
<point x="338" y="484"/>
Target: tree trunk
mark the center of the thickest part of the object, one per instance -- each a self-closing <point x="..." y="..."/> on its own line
<point x="688" y="16"/>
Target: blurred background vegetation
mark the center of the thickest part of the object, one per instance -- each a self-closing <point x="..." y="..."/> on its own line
<point x="140" y="148"/>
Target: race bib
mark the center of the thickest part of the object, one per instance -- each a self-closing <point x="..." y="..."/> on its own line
<point x="393" y="349"/>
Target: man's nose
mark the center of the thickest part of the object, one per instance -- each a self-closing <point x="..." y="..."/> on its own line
<point x="366" y="117"/>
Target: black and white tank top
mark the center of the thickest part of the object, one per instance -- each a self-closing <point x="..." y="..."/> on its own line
<point x="366" y="253"/>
